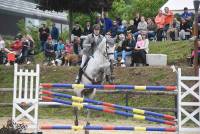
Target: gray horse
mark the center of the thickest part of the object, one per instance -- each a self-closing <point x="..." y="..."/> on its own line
<point x="98" y="67"/>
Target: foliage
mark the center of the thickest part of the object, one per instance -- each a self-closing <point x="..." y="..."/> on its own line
<point x="148" y="8"/>
<point x="21" y="26"/>
<point x="64" y="35"/>
<point x="81" y="18"/>
<point x="127" y="8"/>
<point x="83" y="6"/>
<point x="120" y="8"/>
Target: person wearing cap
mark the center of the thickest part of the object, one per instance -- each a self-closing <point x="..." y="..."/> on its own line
<point x="90" y="45"/>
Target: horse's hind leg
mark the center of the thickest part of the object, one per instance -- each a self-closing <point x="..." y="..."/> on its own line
<point x="76" y="116"/>
<point x="88" y="123"/>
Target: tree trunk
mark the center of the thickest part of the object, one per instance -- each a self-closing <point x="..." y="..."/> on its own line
<point x="70" y="24"/>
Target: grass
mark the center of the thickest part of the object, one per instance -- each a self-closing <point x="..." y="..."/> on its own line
<point x="176" y="51"/>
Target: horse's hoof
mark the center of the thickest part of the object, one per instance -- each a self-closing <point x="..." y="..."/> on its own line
<point x="86" y="131"/>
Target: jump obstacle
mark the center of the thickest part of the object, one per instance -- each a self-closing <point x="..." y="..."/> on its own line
<point x="27" y="88"/>
<point x="131" y="109"/>
<point x="116" y="87"/>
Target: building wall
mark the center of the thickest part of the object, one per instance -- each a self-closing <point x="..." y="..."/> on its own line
<point x="38" y="23"/>
<point x="9" y="20"/>
<point x="8" y="24"/>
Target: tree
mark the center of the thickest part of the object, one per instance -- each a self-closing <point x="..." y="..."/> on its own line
<point x="121" y="9"/>
<point x="148" y="8"/>
<point x="83" y="6"/>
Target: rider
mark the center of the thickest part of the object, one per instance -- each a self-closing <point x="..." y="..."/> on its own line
<point x="89" y="47"/>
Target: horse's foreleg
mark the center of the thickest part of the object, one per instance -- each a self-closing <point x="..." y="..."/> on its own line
<point x="76" y="116"/>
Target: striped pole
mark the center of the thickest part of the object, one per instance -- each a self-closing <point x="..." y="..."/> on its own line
<point x="116" y="87"/>
<point x="122" y="128"/>
<point x="106" y="110"/>
<point x="134" y="110"/>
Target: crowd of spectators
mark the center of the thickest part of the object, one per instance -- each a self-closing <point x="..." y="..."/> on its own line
<point x="131" y="38"/>
<point x="21" y="50"/>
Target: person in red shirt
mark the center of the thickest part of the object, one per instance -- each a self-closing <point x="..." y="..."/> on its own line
<point x="160" y="22"/>
<point x="16" y="46"/>
<point x="169" y="16"/>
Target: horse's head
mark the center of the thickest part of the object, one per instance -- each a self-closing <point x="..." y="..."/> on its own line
<point x="106" y="47"/>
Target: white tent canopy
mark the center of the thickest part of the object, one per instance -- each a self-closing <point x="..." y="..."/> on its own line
<point x="177" y="6"/>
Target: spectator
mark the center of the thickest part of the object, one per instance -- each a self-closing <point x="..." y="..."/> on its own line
<point x="77" y="46"/>
<point x="60" y="49"/>
<point x="122" y="28"/>
<point x="118" y="46"/>
<point x="16" y="46"/>
<point x="142" y="27"/>
<point x="193" y="54"/>
<point x="119" y="21"/>
<point x="174" y="30"/>
<point x="160" y="21"/>
<point x="107" y="22"/>
<point x="28" y="45"/>
<point x="184" y="27"/>
<point x="68" y="47"/>
<point x="187" y="16"/>
<point x="151" y="27"/>
<point x="54" y="34"/>
<point x="49" y="51"/>
<point x="99" y="21"/>
<point x="169" y="16"/>
<point x="132" y="28"/>
<point x="114" y="29"/>
<point x="137" y="19"/>
<point x="76" y="31"/>
<point x="88" y="28"/>
<point x="141" y="49"/>
<point x="43" y="33"/>
<point x="2" y="46"/>
<point x="3" y="51"/>
<point x="127" y="47"/>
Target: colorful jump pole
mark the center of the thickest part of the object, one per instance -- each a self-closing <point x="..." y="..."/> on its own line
<point x="107" y="110"/>
<point x="113" y="87"/>
<point x="134" y="110"/>
<point x="122" y="128"/>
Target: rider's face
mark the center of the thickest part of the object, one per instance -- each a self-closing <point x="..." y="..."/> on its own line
<point x="96" y="32"/>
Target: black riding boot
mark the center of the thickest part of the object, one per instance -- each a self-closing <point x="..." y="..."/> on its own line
<point x="80" y="73"/>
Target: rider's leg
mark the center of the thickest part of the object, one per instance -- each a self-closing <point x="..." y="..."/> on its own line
<point x="84" y="58"/>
